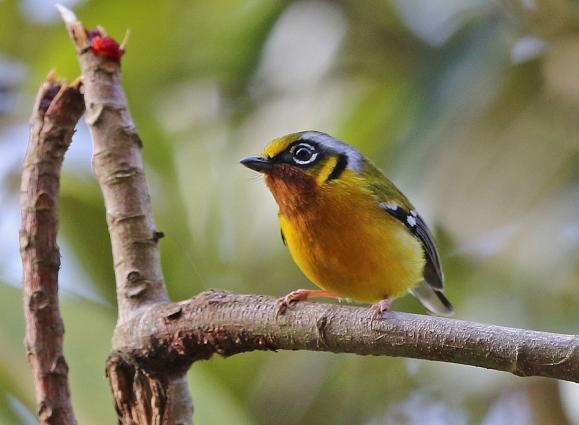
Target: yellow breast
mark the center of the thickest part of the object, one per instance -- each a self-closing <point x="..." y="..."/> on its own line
<point x="345" y="243"/>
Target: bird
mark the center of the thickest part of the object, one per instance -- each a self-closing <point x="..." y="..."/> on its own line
<point x="349" y="229"/>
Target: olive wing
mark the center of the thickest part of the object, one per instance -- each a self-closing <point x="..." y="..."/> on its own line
<point x="416" y="225"/>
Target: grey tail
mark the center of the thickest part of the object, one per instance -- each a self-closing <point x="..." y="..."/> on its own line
<point x="432" y="300"/>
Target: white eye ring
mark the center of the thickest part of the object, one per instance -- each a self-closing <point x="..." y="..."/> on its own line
<point x="307" y="147"/>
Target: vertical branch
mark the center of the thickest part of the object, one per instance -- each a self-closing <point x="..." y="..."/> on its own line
<point x="57" y="109"/>
<point x="117" y="162"/>
<point x="118" y="166"/>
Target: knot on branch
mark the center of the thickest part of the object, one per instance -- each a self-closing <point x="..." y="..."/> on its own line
<point x="39" y="300"/>
<point x="121" y="174"/>
<point x="158" y="235"/>
<point x="321" y="325"/>
<point x="59" y="367"/>
<point x="136" y="284"/>
<point x="47" y="413"/>
<point x="44" y="202"/>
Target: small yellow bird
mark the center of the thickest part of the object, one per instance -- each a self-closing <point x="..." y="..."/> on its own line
<point x="348" y="228"/>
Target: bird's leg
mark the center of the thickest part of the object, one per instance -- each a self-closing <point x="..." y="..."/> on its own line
<point x="377" y="310"/>
<point x="300" y="295"/>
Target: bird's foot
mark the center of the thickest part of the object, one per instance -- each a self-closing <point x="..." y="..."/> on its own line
<point x="300" y="295"/>
<point x="378" y="310"/>
<point x="293" y="297"/>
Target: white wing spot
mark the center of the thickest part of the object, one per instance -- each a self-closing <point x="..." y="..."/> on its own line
<point x="392" y="206"/>
<point x="411" y="220"/>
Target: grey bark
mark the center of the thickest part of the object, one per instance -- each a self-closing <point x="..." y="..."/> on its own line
<point x="141" y="397"/>
<point x="217" y="322"/>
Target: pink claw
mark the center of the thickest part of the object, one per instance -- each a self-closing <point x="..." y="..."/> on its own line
<point x="380" y="308"/>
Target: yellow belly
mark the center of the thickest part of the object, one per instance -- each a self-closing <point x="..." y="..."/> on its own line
<point x="350" y="246"/>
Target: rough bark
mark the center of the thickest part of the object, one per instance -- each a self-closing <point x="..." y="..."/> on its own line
<point x="140" y="397"/>
<point x="174" y="335"/>
<point x="57" y="109"/>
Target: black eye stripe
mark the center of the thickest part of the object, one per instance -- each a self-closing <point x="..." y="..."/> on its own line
<point x="339" y="168"/>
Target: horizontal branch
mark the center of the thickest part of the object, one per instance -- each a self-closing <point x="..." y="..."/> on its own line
<point x="177" y="334"/>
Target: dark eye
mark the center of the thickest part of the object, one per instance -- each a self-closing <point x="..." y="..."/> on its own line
<point x="304" y="154"/>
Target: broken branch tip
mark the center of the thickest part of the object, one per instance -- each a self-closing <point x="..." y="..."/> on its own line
<point x="67" y="15"/>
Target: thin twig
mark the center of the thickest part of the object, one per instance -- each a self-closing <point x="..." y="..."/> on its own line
<point x="58" y="108"/>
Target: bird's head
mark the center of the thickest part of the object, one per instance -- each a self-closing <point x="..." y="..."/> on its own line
<point x="298" y="165"/>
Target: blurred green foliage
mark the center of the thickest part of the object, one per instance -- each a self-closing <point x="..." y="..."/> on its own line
<point x="471" y="107"/>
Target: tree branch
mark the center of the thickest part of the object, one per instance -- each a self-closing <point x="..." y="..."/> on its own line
<point x="174" y="335"/>
<point x="118" y="166"/>
<point x="57" y="109"/>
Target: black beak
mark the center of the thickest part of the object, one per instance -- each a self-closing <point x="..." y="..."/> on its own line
<point x="257" y="163"/>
